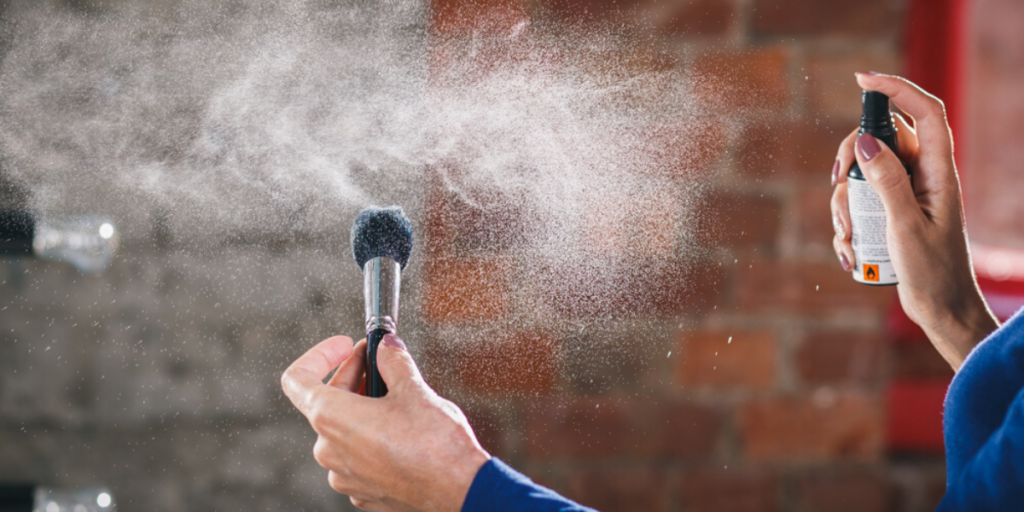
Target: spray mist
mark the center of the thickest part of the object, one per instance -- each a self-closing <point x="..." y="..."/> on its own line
<point x="867" y="214"/>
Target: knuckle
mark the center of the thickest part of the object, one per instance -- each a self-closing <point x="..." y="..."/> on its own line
<point x="938" y="107"/>
<point x="316" y="418"/>
<point x="885" y="179"/>
<point x="318" y="412"/>
<point x="322" y="452"/>
<point x="338" y="482"/>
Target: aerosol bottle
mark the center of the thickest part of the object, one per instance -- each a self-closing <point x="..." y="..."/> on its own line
<point x="867" y="214"/>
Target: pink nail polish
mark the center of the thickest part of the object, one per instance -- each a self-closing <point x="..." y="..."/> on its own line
<point x="835" y="172"/>
<point x="868" y="147"/>
<point x="844" y="262"/>
<point x="392" y="341"/>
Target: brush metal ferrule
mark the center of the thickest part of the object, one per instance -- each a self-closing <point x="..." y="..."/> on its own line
<point x="382" y="278"/>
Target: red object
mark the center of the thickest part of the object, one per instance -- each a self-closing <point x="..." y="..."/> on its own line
<point x="935" y="59"/>
<point x="914" y="421"/>
<point x="937" y="51"/>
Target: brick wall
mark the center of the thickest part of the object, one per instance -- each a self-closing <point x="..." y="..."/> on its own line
<point x="764" y="386"/>
<point x="760" y="386"/>
<point x="992" y="183"/>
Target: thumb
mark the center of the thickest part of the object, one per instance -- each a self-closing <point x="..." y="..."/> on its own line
<point x="887" y="176"/>
<point x="396" y="366"/>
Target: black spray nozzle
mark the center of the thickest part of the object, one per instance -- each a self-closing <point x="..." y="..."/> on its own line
<point x="876" y="118"/>
<point x="876" y="105"/>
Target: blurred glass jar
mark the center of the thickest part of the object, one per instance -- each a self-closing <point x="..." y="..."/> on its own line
<point x="87" y="243"/>
<point x="92" y="499"/>
<point x="30" y="498"/>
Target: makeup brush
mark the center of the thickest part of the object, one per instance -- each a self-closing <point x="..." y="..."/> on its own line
<point x="381" y="244"/>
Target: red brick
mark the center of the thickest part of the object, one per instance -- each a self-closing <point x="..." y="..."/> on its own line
<point x="806" y="287"/>
<point x="922" y="492"/>
<point x="831" y="87"/>
<point x="825" y="17"/>
<point x="606" y="216"/>
<point x="991" y="175"/>
<point x="751" y="80"/>
<point x="685" y="431"/>
<point x="460" y="61"/>
<point x="919" y="361"/>
<point x="815" y="144"/>
<point x="729" y="490"/>
<point x="733" y="219"/>
<point x="488" y="429"/>
<point x="840" y="357"/>
<point x="602" y="288"/>
<point x="621" y="490"/>
<point x="805" y="148"/>
<point x="696" y="18"/>
<point x="592" y="428"/>
<point x="614" y="225"/>
<point x="632" y="74"/>
<point x="764" y="149"/>
<point x="744" y="359"/>
<point x="815" y="221"/>
<point x="587" y="10"/>
<point x="825" y="427"/>
<point x="521" y="363"/>
<point x="461" y="289"/>
<point x="687" y="150"/>
<point x="474" y="221"/>
<point x="658" y="226"/>
<point x="448" y="17"/>
<point x="598" y="362"/>
<point x="853" y="491"/>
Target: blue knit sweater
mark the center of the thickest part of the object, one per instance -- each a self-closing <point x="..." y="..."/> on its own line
<point x="984" y="433"/>
<point x="984" y="425"/>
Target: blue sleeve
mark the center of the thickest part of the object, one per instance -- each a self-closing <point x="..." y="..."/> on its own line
<point x="982" y="392"/>
<point x="994" y="478"/>
<point x="499" y="488"/>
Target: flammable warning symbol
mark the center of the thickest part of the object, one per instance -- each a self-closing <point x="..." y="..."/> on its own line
<point x="870" y="272"/>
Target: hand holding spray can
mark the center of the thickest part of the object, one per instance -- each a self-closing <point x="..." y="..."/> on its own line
<point x="867" y="213"/>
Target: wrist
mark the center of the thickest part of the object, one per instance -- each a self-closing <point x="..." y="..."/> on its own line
<point x="958" y="329"/>
<point x="466" y="474"/>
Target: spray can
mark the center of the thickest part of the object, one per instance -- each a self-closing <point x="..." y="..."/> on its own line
<point x="867" y="214"/>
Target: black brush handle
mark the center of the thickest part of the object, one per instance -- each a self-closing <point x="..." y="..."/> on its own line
<point x="375" y="386"/>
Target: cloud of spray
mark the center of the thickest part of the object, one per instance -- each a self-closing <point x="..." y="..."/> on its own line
<point x="282" y="115"/>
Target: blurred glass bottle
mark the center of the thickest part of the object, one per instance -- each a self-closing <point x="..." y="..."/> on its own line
<point x="87" y="243"/>
<point x="30" y="498"/>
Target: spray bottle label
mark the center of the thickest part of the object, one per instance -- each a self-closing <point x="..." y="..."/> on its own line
<point x="867" y="215"/>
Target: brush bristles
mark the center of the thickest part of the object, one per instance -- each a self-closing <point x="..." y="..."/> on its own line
<point x="382" y="232"/>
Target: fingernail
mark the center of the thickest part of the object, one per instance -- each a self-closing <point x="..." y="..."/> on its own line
<point x="844" y="262"/>
<point x="838" y="225"/>
<point x="835" y="172"/>
<point x="392" y="341"/>
<point x="868" y="147"/>
<point x="874" y="73"/>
